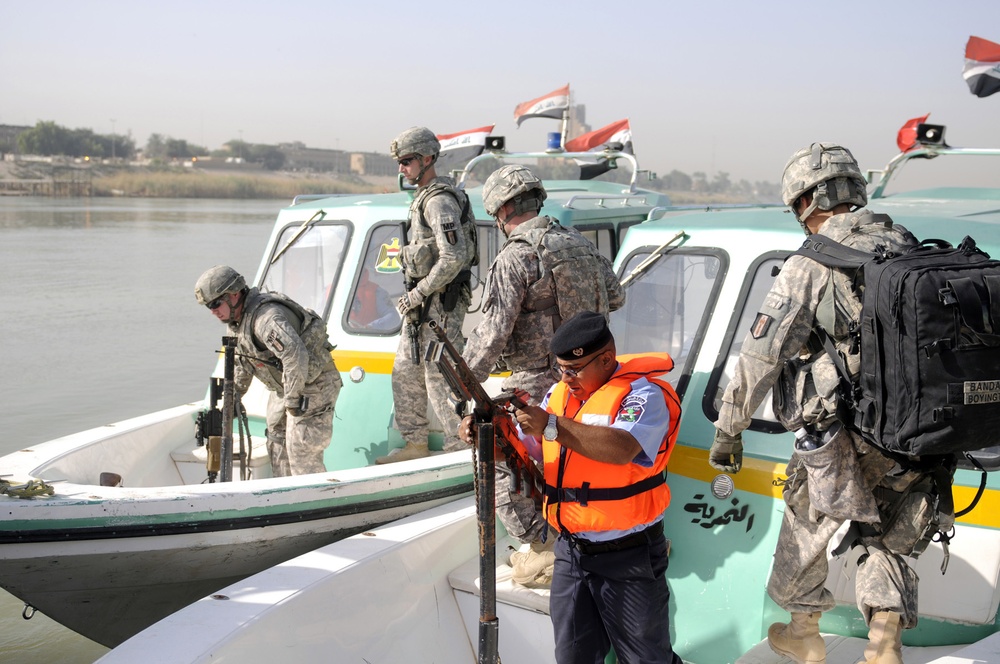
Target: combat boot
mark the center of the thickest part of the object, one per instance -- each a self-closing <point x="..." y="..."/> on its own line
<point x="799" y="640"/>
<point x="885" y="639"/>
<point x="411" y="451"/>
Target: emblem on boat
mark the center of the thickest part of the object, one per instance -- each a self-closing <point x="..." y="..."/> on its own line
<point x="722" y="486"/>
<point x="388" y="257"/>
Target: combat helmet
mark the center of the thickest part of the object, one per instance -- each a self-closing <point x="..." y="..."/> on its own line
<point x="216" y="282"/>
<point x="415" y="140"/>
<point x="513" y="183"/>
<point x="829" y="169"/>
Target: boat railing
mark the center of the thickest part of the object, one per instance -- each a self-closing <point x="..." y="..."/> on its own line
<point x="301" y="198"/>
<point x="603" y="200"/>
<point x="610" y="155"/>
<point x="880" y="177"/>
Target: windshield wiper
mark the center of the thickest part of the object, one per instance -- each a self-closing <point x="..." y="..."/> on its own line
<point x="652" y="258"/>
<point x="299" y="233"/>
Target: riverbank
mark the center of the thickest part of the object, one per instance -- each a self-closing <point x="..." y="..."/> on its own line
<point x="101" y="180"/>
<point x="17" y="178"/>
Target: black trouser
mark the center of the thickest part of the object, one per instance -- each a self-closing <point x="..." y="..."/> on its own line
<point x="615" y="598"/>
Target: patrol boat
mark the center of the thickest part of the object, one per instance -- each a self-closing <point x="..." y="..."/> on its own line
<point x="409" y="591"/>
<point x="118" y="526"/>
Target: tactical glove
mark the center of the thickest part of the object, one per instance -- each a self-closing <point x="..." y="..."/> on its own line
<point x="409" y="301"/>
<point x="727" y="452"/>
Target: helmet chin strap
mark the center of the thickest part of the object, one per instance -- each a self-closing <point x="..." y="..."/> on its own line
<point x="232" y="317"/>
<point x="423" y="169"/>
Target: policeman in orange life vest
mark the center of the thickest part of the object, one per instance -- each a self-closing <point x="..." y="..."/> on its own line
<point x="604" y="433"/>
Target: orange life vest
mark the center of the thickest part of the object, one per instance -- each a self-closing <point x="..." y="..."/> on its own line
<point x="593" y="496"/>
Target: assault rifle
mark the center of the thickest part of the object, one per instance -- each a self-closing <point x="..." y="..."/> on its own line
<point x="527" y="479"/>
<point x="494" y="429"/>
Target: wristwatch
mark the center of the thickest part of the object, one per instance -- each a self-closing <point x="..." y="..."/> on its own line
<point x="551" y="430"/>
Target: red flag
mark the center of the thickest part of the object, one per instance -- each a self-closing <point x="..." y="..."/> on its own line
<point x="551" y="105"/>
<point x="906" y="139"/>
<point x="982" y="66"/>
<point x="616" y="132"/>
<point x="458" y="148"/>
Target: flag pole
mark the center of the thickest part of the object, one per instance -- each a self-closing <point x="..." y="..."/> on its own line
<point x="565" y="127"/>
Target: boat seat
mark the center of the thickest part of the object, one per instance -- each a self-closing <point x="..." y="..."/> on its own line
<point x="190" y="461"/>
<point x="465" y="578"/>
<point x="967" y="593"/>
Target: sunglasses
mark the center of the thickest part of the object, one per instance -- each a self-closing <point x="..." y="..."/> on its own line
<point x="214" y="304"/>
<point x="405" y="161"/>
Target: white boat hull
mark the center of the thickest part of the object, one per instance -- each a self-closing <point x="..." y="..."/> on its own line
<point x="110" y="561"/>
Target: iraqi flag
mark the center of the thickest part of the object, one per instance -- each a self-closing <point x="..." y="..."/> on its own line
<point x="906" y="139"/>
<point x="982" y="66"/>
<point x="616" y="132"/>
<point x="458" y="148"/>
<point x="551" y="105"/>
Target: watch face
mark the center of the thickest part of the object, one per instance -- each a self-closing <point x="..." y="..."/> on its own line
<point x="551" y="430"/>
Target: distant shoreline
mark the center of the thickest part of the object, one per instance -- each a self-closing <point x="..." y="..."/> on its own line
<point x="158" y="182"/>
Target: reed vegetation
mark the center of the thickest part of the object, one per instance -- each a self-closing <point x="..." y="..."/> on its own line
<point x="199" y="184"/>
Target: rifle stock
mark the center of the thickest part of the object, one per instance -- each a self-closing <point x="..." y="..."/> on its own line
<point x="527" y="479"/>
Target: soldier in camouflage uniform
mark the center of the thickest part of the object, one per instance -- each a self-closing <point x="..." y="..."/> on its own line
<point x="543" y="275"/>
<point x="286" y="347"/>
<point x="437" y="261"/>
<point x="833" y="475"/>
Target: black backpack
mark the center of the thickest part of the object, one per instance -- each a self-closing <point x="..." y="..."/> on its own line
<point x="929" y="338"/>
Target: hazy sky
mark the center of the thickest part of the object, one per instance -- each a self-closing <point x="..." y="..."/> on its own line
<point x="708" y="86"/>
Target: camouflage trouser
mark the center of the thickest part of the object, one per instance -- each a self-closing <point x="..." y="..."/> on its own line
<point x="884" y="581"/>
<point x="517" y="513"/>
<point x="296" y="443"/>
<point x="412" y="383"/>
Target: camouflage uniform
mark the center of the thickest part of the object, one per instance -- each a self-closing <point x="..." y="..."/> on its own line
<point x="845" y="479"/>
<point x="438" y="256"/>
<point x="525" y="301"/>
<point x="286" y="347"/>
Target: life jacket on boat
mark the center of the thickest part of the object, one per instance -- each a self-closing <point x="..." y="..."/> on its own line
<point x="584" y="495"/>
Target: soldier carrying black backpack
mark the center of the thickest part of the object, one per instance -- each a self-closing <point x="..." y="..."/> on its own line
<point x="803" y="337"/>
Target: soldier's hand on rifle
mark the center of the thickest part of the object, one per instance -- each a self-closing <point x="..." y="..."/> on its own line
<point x="409" y="301"/>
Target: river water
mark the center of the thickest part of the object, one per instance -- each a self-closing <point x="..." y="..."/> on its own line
<point x="99" y="323"/>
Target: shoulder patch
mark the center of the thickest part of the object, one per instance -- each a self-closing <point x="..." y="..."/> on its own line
<point x="760" y="326"/>
<point x="629" y="413"/>
<point x="275" y="341"/>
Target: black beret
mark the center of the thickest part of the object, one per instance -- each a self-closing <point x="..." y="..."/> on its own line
<point x="581" y="335"/>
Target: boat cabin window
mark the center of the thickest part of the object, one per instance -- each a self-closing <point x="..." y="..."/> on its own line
<point x="307" y="269"/>
<point x="669" y="305"/>
<point x="379" y="281"/>
<point x="490" y="239"/>
<point x="758" y="283"/>
<point x="602" y="238"/>
<point x="378" y="284"/>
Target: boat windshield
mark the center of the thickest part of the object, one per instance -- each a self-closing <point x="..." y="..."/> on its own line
<point x="307" y="269"/>
<point x="760" y="280"/>
<point x="944" y="170"/>
<point x="668" y="305"/>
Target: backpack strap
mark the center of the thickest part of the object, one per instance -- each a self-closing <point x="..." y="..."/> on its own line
<point x="831" y="253"/>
